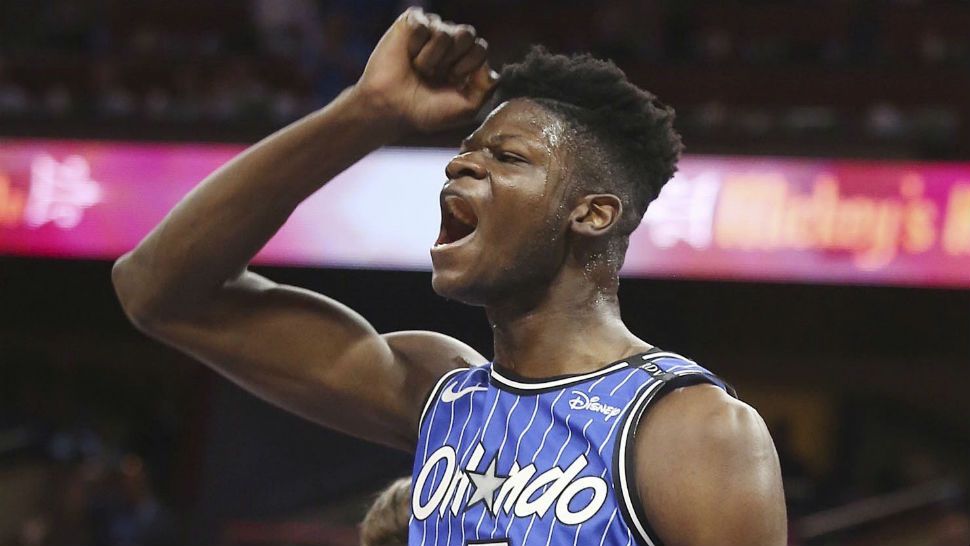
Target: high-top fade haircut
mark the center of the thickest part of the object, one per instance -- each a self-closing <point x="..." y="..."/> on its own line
<point x="626" y="145"/>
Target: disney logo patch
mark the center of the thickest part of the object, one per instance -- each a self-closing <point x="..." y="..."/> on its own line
<point x="583" y="401"/>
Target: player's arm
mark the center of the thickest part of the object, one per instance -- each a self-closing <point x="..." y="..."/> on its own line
<point x="186" y="283"/>
<point x="708" y="473"/>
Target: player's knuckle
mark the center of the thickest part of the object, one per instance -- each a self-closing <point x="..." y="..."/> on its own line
<point x="421" y="64"/>
<point x="444" y="39"/>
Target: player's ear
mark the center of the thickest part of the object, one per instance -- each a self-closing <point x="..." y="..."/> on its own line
<point x="595" y="214"/>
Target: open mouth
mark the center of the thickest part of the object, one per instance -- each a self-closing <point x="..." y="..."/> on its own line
<point x="458" y="220"/>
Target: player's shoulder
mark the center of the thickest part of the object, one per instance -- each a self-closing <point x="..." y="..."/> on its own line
<point x="438" y="352"/>
<point x="697" y="453"/>
<point x="704" y="414"/>
<point x="697" y="414"/>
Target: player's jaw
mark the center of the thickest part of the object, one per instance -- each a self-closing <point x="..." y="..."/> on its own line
<point x="491" y="245"/>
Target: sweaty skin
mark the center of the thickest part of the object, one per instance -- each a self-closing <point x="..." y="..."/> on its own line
<point x="706" y="467"/>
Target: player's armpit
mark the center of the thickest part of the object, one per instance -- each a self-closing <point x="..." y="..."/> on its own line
<point x="316" y="357"/>
<point x="708" y="473"/>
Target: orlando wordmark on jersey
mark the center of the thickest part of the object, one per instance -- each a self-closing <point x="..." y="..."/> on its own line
<point x="507" y="460"/>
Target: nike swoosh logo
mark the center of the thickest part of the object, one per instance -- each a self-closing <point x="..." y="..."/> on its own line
<point x="450" y="394"/>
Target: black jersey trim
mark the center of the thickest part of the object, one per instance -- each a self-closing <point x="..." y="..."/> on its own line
<point x="435" y="392"/>
<point x="624" y="462"/>
<point x="510" y="381"/>
<point x="623" y="467"/>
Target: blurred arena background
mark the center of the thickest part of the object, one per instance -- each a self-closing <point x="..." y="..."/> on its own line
<point x="855" y="350"/>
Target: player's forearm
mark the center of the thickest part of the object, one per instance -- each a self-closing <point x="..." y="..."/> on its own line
<point x="213" y="233"/>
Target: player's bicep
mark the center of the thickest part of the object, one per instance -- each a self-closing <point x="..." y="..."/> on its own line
<point x="708" y="472"/>
<point x="306" y="353"/>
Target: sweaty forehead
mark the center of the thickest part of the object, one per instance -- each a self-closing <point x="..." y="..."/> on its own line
<point x="520" y="119"/>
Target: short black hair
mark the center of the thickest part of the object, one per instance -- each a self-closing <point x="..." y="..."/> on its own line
<point x="635" y="147"/>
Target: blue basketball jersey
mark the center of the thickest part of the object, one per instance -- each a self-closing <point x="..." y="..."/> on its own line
<point x="507" y="460"/>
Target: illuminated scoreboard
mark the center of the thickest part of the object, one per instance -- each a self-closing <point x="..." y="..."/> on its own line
<point x="744" y="218"/>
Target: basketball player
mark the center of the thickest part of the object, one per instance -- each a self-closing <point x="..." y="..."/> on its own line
<point x="578" y="432"/>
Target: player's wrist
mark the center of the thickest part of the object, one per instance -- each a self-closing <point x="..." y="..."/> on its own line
<point x="378" y="109"/>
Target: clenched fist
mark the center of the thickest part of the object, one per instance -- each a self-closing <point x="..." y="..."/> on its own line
<point x="427" y="73"/>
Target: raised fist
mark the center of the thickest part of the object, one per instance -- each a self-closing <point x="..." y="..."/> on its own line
<point x="428" y="73"/>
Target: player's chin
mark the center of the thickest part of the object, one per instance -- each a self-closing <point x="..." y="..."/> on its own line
<point x="456" y="284"/>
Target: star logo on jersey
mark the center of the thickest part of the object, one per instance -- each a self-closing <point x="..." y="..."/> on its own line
<point x="486" y="485"/>
<point x="449" y="395"/>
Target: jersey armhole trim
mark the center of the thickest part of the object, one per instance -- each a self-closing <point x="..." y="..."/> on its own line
<point x="435" y="392"/>
<point x="624" y="463"/>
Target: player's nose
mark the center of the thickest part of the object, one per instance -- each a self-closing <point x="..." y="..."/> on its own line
<point x="464" y="165"/>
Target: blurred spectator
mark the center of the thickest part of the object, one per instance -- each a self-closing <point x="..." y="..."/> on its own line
<point x="267" y="62"/>
<point x="13" y="97"/>
<point x="125" y="510"/>
<point x="286" y="27"/>
<point x="386" y="521"/>
<point x="954" y="530"/>
<point x="93" y="503"/>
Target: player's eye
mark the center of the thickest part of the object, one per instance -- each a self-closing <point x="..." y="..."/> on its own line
<point x="509" y="157"/>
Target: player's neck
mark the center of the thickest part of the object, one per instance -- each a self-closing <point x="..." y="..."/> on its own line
<point x="574" y="327"/>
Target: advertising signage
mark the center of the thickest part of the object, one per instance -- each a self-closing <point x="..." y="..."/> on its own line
<point x="742" y="218"/>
